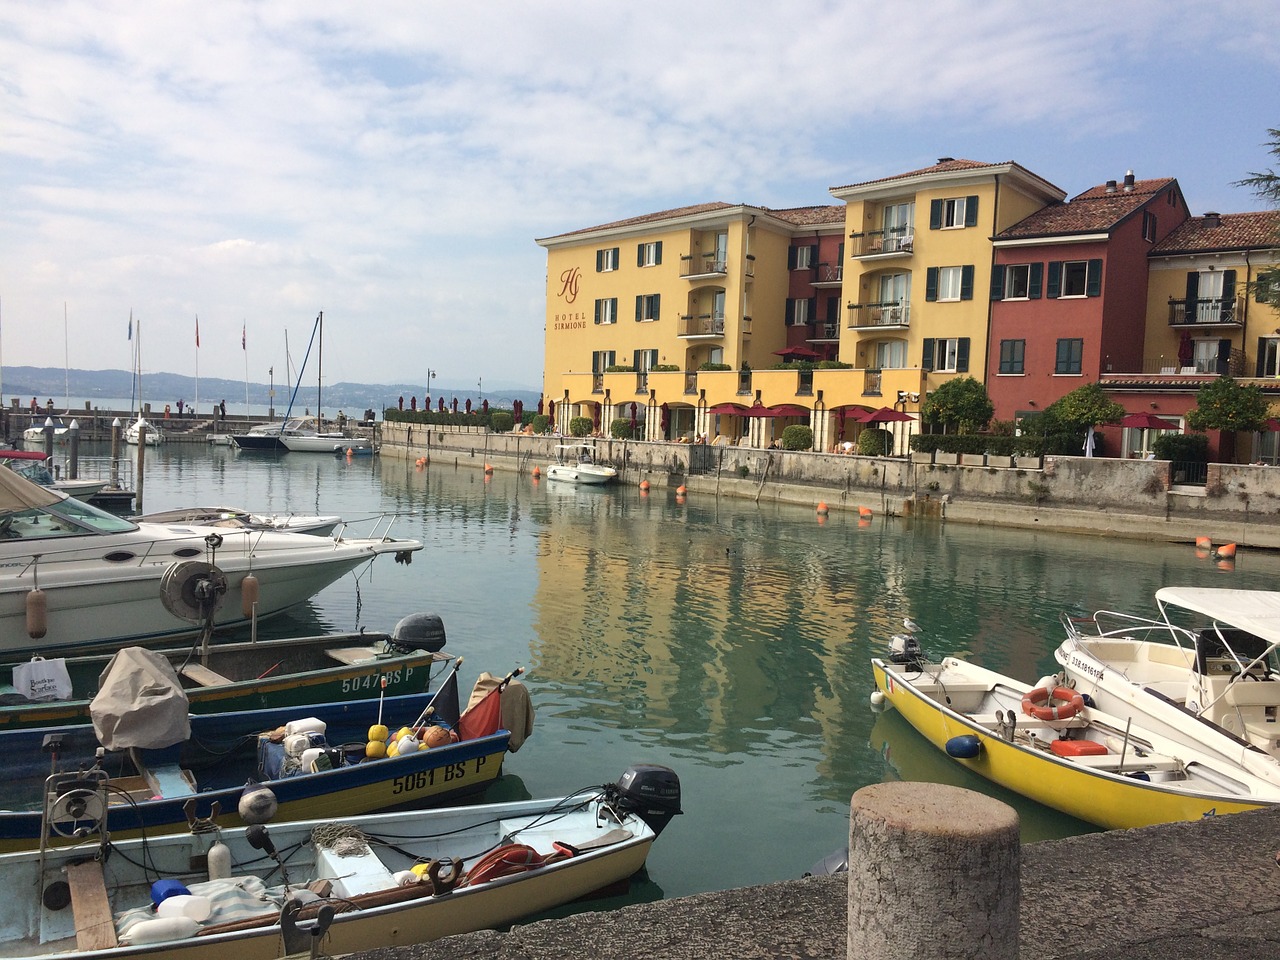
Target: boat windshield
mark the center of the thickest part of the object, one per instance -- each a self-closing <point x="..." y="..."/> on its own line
<point x="67" y="518"/>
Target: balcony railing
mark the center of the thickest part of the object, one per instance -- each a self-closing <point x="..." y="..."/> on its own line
<point x="691" y="381"/>
<point x="826" y="332"/>
<point x="829" y="275"/>
<point x="871" y="380"/>
<point x="703" y="265"/>
<point x="703" y="325"/>
<point x="1235" y="365"/>
<point x="1224" y="312"/>
<point x="893" y="313"/>
<point x="597" y="383"/>
<point x="642" y="381"/>
<point x="874" y="243"/>
<point x="744" y="382"/>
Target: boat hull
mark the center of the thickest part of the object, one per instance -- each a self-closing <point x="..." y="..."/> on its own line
<point x="257" y="442"/>
<point x="324" y="443"/>
<point x="593" y="476"/>
<point x="1108" y="801"/>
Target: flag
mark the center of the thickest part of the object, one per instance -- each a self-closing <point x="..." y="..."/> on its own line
<point x="242" y="330"/>
<point x="482" y="718"/>
<point x="446" y="701"/>
<point x="197" y="331"/>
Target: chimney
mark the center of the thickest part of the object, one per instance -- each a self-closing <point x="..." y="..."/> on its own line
<point x="1128" y="181"/>
<point x="1212" y="219"/>
<point x="1111" y="186"/>
<point x="946" y="159"/>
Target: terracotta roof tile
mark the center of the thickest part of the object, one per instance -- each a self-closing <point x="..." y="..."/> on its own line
<point x="1095" y="211"/>
<point x="949" y="165"/>
<point x="688" y="211"/>
<point x="811" y="216"/>
<point x="1228" y="231"/>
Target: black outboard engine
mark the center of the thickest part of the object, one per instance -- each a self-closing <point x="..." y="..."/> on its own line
<point x="904" y="649"/>
<point x="420" y="631"/>
<point x="651" y="792"/>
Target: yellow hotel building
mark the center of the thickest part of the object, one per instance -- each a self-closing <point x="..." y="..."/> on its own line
<point x="671" y="319"/>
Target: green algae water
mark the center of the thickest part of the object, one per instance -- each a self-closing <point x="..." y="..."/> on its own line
<point x="728" y="640"/>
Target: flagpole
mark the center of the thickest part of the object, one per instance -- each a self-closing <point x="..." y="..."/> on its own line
<point x="197" y="406"/>
<point x="431" y="704"/>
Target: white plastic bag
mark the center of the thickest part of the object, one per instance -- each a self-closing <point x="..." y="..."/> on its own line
<point x="41" y="679"/>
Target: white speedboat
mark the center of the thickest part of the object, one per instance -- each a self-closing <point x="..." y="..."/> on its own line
<point x="343" y="886"/>
<point x="30" y="465"/>
<point x="237" y="519"/>
<point x="73" y="576"/>
<point x="323" y="441"/>
<point x="1206" y="673"/>
<point x="34" y="435"/>
<point x="577" y="463"/>
<point x="133" y="433"/>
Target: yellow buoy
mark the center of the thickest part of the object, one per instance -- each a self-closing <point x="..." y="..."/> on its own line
<point x="375" y="749"/>
<point x="37" y="614"/>
<point x="379" y="731"/>
<point x="248" y="594"/>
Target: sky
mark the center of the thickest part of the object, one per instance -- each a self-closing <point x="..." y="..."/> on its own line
<point x="252" y="164"/>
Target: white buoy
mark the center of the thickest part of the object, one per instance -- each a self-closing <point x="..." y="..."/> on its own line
<point x="877" y="698"/>
<point x="219" y="859"/>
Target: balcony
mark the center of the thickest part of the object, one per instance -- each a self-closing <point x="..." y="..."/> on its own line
<point x="888" y="315"/>
<point x="702" y="327"/>
<point x="702" y="265"/>
<point x="871" y="383"/>
<point x="828" y="275"/>
<point x="895" y="242"/>
<point x="826" y="333"/>
<point x="1223" y="312"/>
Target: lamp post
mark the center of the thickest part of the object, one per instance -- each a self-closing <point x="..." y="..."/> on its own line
<point x="431" y="375"/>
<point x="480" y="386"/>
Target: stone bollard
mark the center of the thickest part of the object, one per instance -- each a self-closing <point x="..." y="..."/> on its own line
<point x="933" y="872"/>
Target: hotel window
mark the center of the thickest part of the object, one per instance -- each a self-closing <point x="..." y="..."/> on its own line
<point x="953" y="213"/>
<point x="602" y="360"/>
<point x="946" y="355"/>
<point x="1268" y="357"/>
<point x="802" y="258"/>
<point x="1011" y="355"/>
<point x="891" y="355"/>
<point x="647" y="306"/>
<point x="1070" y="355"/>
<point x="645" y="360"/>
<point x="1017" y="281"/>
<point x="949" y="283"/>
<point x="607" y="310"/>
<point x="607" y="260"/>
<point x="649" y="254"/>
<point x="1074" y="278"/>
<point x="801" y="311"/>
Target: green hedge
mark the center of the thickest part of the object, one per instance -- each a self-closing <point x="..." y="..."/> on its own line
<point x="797" y="437"/>
<point x="1192" y="447"/>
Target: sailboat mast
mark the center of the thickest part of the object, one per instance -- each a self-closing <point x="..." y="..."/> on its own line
<point x="319" y="371"/>
<point x="66" y="359"/>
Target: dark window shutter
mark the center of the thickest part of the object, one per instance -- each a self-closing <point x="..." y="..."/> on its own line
<point x="597" y="302"/>
<point x="997" y="283"/>
<point x="657" y="253"/>
<point x="1093" y="278"/>
<point x="1224" y="357"/>
<point x="970" y="211"/>
<point x="813" y="309"/>
<point x="931" y="284"/>
<point x="657" y="306"/>
<point x="935" y="214"/>
<point x="833" y="309"/>
<point x="1262" y="354"/>
<point x="840" y="254"/>
<point x="1036" y="282"/>
<point x="790" y="317"/>
<point x="926" y="356"/>
<point x="966" y="282"/>
<point x="599" y="267"/>
<point x="635" y="359"/>
<point x="640" y="255"/>
<point x="962" y="355"/>
<point x="617" y="258"/>
<point x="813" y="256"/>
<point x="639" y="307"/>
<point x="1054" y="286"/>
<point x="1228" y="285"/>
<point x="791" y="258"/>
<point x="1193" y="289"/>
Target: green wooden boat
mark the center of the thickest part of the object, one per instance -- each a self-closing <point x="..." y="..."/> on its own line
<point x="257" y="675"/>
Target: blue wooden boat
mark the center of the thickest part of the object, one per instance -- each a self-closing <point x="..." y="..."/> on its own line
<point x="201" y="781"/>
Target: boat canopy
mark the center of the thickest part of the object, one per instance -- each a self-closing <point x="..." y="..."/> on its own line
<point x="17" y="493"/>
<point x="1256" y="612"/>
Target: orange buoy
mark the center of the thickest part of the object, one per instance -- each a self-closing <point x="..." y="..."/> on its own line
<point x="488" y="468"/>
<point x="644" y="486"/>
<point x="681" y="490"/>
<point x="864" y="523"/>
<point x="37" y="614"/>
<point x="864" y="511"/>
<point x="351" y="451"/>
<point x="1226" y="564"/>
<point x="1204" y="543"/>
<point x="536" y="473"/>
<point x="822" y="508"/>
<point x="1225" y="552"/>
<point x="248" y="594"/>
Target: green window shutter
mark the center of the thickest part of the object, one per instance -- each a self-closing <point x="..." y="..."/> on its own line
<point x="599" y="265"/>
<point x="1262" y="352"/>
<point x="657" y="306"/>
<point x="970" y="211"/>
<point x="926" y="356"/>
<point x="640" y="255"/>
<point x="840" y="254"/>
<point x="931" y="284"/>
<point x="997" y="283"/>
<point x="962" y="355"/>
<point x="1054" y="286"/>
<point x="1193" y="288"/>
<point x="813" y="256"/>
<point x="813" y="309"/>
<point x="639" y="307"/>
<point x="657" y="253"/>
<point x="1036" y="282"/>
<point x="617" y="256"/>
<point x="966" y="282"/>
<point x="1093" y="278"/>
<point x="935" y="214"/>
<point x="635" y="359"/>
<point x="1228" y="285"/>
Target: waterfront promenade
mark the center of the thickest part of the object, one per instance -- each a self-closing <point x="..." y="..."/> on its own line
<point x="1189" y="891"/>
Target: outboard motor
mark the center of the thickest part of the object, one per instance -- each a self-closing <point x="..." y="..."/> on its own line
<point x="651" y="792"/>
<point x="420" y="631"/>
<point x="904" y="649"/>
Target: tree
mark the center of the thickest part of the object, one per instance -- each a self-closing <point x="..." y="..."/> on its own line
<point x="1086" y="406"/>
<point x="1225" y="404"/>
<point x="962" y="402"/>
<point x="1266" y="185"/>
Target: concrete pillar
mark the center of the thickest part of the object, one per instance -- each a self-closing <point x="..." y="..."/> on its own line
<point x="933" y="872"/>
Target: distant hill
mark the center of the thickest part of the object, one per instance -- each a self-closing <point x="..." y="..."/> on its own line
<point x="52" y="382"/>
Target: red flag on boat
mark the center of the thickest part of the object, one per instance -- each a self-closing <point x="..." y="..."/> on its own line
<point x="482" y="718"/>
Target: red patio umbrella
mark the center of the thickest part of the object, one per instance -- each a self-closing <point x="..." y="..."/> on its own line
<point x="797" y="352"/>
<point x="887" y="415"/>
<point x="665" y="420"/>
<point x="1146" y="421"/>
<point x="595" y="416"/>
<point x="484" y="405"/>
<point x="785" y="410"/>
<point x="728" y="409"/>
<point x="442" y="404"/>
<point x="455" y="404"/>
<point x="539" y="406"/>
<point x="1272" y="424"/>
<point x="633" y="417"/>
<point x="468" y="404"/>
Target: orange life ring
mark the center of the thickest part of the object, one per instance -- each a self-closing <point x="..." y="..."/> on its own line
<point x="1039" y="703"/>
<point x="506" y="860"/>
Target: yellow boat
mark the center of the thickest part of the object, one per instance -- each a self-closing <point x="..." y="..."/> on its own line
<point x="1047" y="745"/>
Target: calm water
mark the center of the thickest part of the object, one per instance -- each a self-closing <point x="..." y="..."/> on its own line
<point x="727" y="640"/>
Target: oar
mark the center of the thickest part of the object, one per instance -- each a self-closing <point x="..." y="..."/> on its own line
<point x="430" y="707"/>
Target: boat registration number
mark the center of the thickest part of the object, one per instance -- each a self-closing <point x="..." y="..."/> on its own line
<point x="449" y="773"/>
<point x="370" y="681"/>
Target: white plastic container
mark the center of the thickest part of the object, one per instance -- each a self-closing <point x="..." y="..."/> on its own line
<point x="305" y="725"/>
<point x="295" y="744"/>
<point x="309" y="756"/>
<point x="185" y="905"/>
<point x="161" y="929"/>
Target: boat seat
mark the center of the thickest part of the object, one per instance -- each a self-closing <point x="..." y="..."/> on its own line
<point x="168" y="780"/>
<point x="90" y="907"/>
<point x="350" y="655"/>
<point x="203" y="676"/>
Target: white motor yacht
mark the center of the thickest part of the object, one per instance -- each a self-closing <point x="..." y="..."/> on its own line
<point x="73" y="576"/>
<point x="576" y="462"/>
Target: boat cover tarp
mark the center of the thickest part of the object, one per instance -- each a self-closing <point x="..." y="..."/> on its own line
<point x="140" y="702"/>
<point x="517" y="708"/>
<point x="18" y="493"/>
